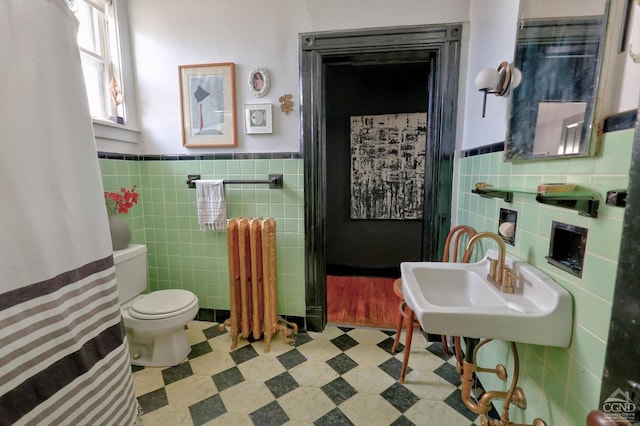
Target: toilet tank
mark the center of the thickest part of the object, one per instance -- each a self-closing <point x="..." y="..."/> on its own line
<point x="131" y="271"/>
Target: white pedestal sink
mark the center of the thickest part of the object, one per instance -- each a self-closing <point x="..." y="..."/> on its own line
<point x="456" y="299"/>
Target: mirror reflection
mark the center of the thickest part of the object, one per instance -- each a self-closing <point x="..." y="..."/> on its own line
<point x="552" y="109"/>
<point x="559" y="128"/>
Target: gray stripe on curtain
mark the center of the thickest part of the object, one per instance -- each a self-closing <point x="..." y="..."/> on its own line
<point x="103" y="403"/>
<point x="57" y="319"/>
<point x="46" y="371"/>
<point x="43" y="356"/>
<point x="77" y="297"/>
<point x="36" y="389"/>
<point x="23" y="294"/>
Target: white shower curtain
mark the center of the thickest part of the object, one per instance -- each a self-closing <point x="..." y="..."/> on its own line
<point x="63" y="355"/>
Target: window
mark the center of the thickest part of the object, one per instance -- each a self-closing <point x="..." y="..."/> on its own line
<point x="99" y="52"/>
<point x="104" y="44"/>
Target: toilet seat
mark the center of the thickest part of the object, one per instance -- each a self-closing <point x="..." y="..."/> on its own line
<point x="163" y="304"/>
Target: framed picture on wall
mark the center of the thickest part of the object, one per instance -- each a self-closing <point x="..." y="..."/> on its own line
<point x="257" y="119"/>
<point x="207" y="105"/>
<point x="259" y="82"/>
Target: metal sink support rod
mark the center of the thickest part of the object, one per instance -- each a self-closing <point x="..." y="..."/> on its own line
<point x="514" y="395"/>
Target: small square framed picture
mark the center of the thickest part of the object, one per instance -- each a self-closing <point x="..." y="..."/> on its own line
<point x="257" y="119"/>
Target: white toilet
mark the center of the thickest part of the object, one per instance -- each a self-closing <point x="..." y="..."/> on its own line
<point x="154" y="322"/>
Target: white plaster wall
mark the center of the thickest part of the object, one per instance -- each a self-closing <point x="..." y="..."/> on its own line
<point x="630" y="74"/>
<point x="249" y="33"/>
<point x="535" y="9"/>
<point x="491" y="41"/>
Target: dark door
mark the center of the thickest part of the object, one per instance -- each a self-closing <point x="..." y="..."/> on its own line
<point x="436" y="45"/>
<point x="374" y="245"/>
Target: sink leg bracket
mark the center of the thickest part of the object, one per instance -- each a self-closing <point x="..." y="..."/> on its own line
<point x="514" y="395"/>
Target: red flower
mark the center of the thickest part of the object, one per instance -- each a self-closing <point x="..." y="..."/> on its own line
<point x="124" y="200"/>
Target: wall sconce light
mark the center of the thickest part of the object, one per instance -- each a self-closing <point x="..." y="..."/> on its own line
<point x="496" y="81"/>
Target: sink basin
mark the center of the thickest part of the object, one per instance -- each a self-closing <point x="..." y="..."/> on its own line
<point x="456" y="299"/>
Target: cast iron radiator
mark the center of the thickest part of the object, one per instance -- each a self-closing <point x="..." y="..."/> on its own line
<point x="251" y="243"/>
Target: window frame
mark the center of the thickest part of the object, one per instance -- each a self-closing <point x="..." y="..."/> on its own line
<point x="106" y="131"/>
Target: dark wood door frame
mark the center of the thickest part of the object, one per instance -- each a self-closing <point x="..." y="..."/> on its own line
<point x="442" y="43"/>
<point x="621" y="369"/>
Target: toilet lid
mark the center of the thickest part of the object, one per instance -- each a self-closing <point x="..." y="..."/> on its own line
<point x="163" y="302"/>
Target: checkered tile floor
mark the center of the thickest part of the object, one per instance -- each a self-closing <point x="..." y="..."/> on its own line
<point x="342" y="376"/>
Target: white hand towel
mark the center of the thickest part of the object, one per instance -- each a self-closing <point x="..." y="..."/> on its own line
<point x="212" y="207"/>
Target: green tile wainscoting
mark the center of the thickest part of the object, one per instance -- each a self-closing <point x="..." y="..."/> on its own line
<point x="180" y="255"/>
<point x="561" y="385"/>
<point x="118" y="174"/>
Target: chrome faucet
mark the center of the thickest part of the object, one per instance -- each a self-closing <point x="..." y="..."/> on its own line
<point x="499" y="274"/>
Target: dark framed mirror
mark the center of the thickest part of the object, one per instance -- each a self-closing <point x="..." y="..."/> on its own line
<point x="551" y="112"/>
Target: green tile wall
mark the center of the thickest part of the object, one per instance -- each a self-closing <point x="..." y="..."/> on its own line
<point x="125" y="174"/>
<point x="180" y="255"/>
<point x="561" y="385"/>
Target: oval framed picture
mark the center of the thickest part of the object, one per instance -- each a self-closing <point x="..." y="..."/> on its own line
<point x="259" y="82"/>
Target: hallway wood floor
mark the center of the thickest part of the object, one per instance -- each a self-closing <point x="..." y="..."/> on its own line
<point x="362" y="301"/>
